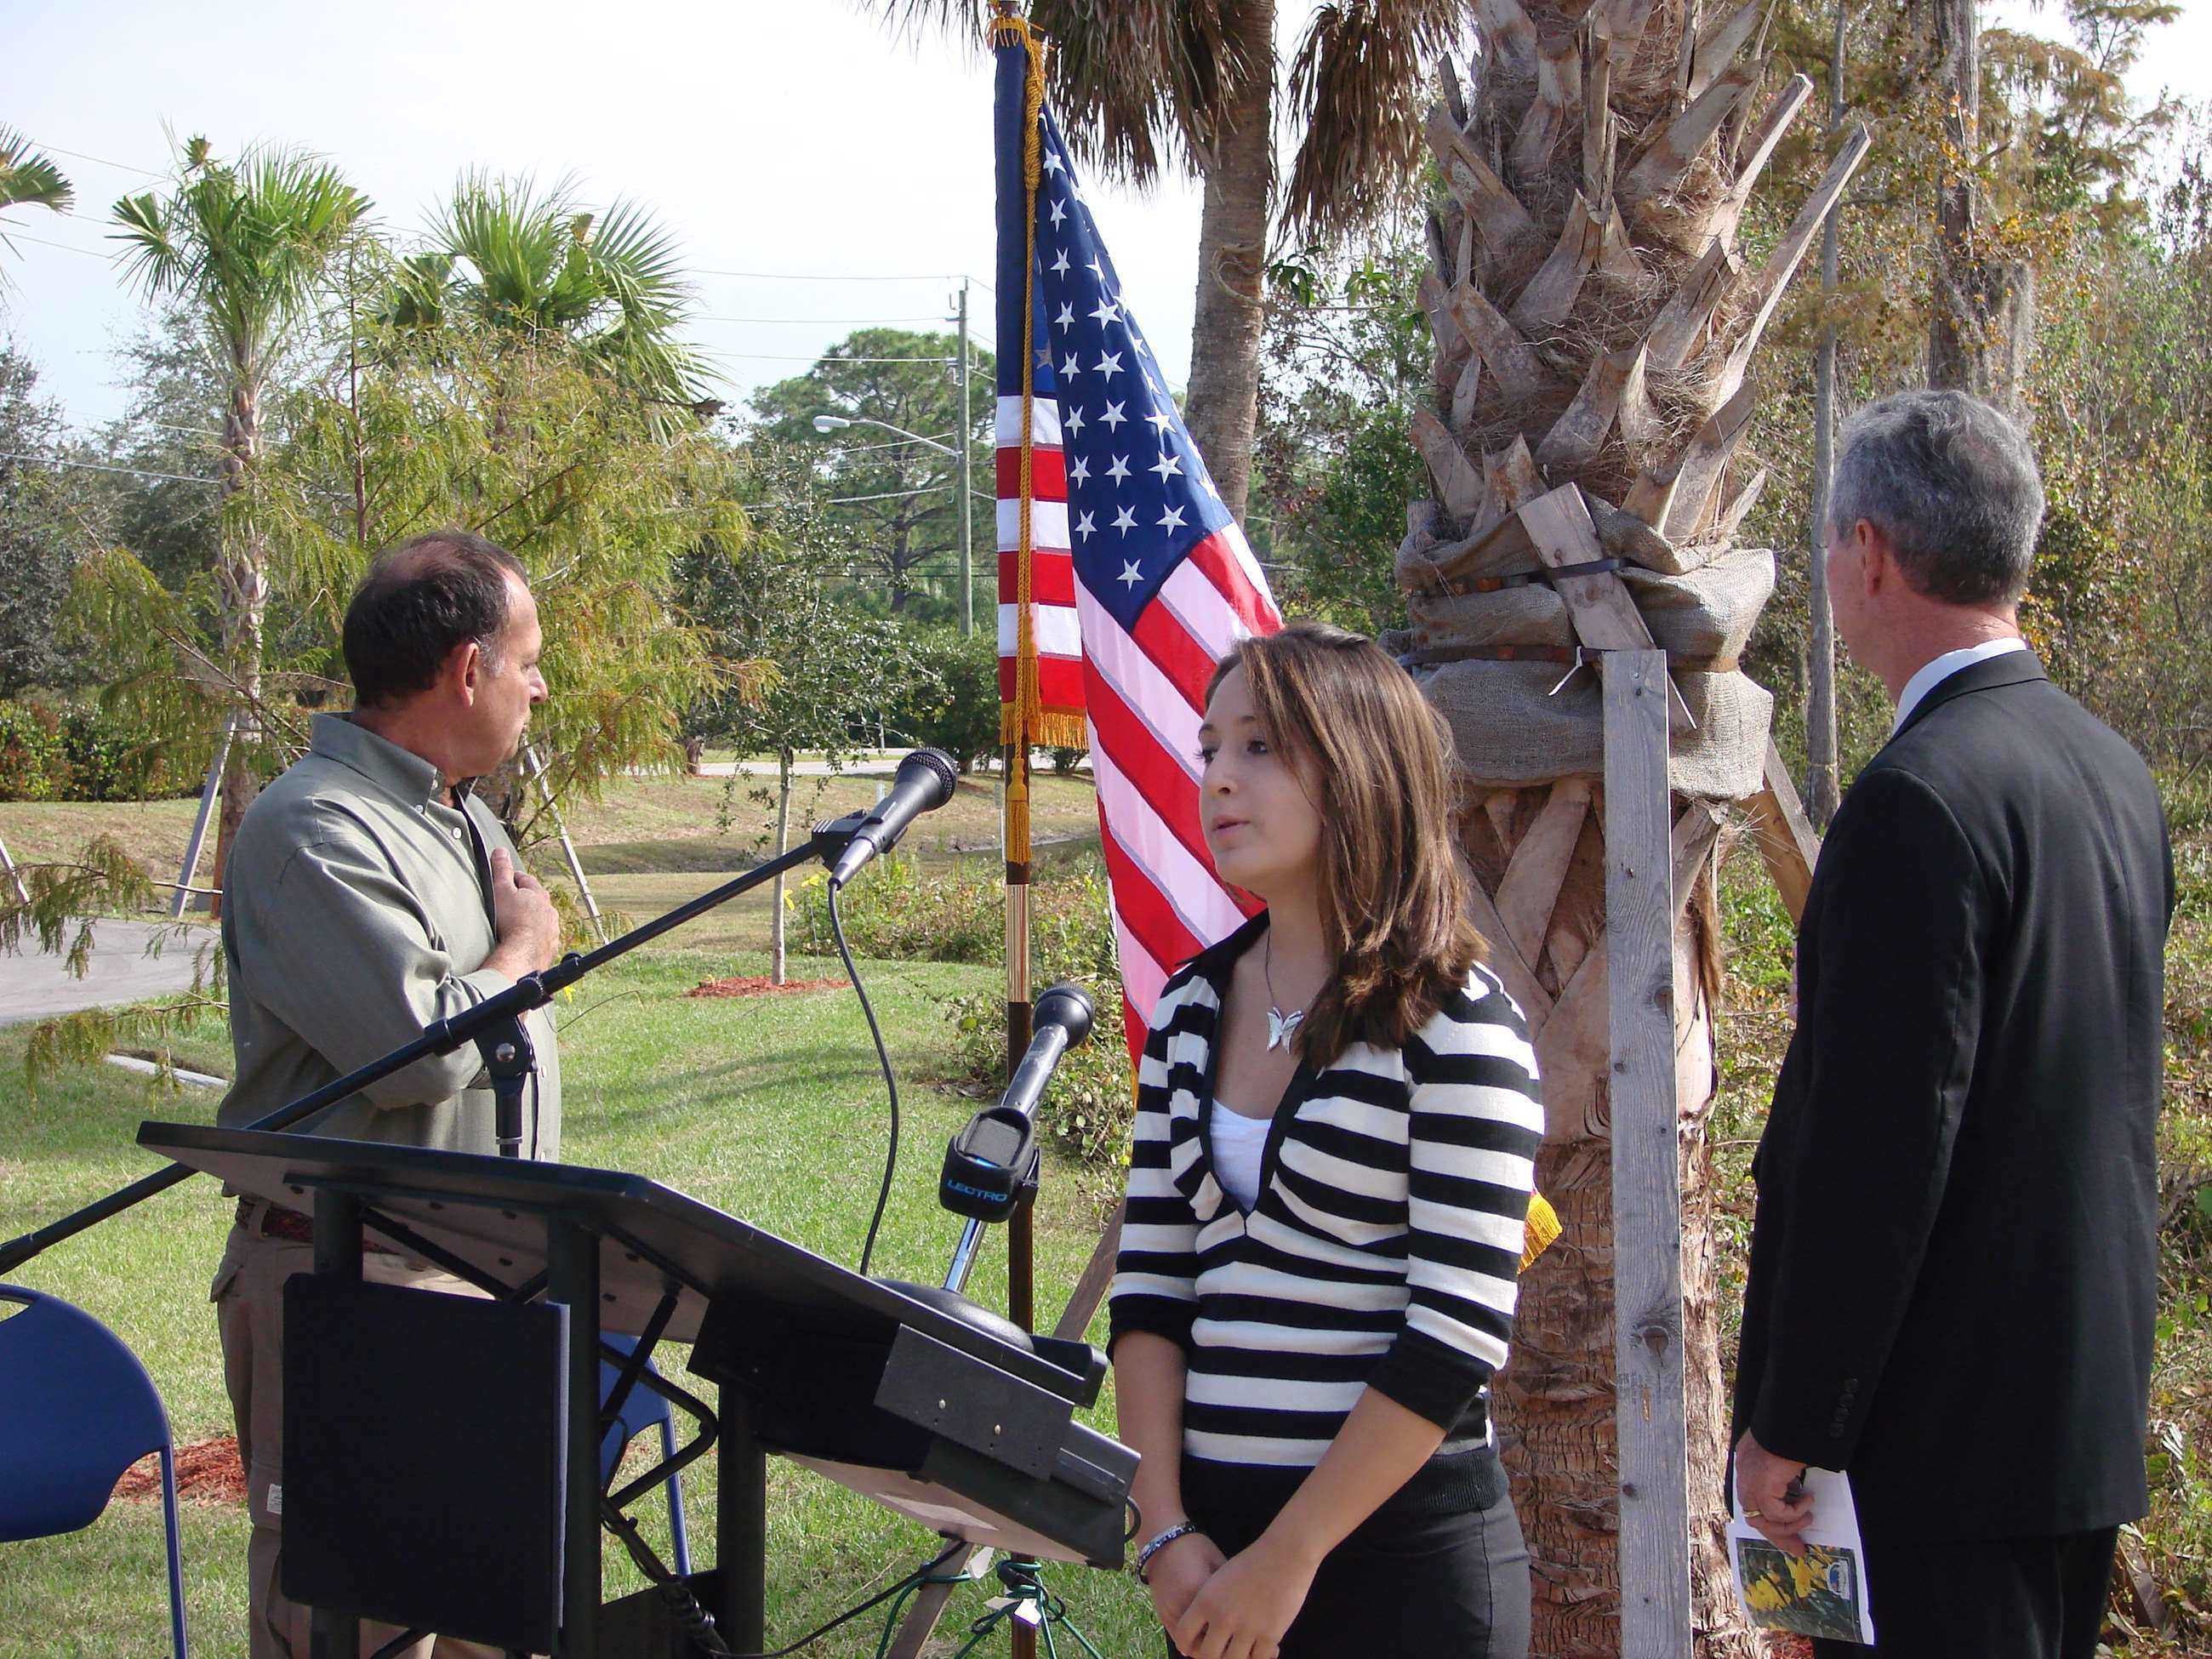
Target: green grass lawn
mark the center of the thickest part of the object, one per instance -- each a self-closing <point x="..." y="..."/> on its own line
<point x="770" y="1109"/>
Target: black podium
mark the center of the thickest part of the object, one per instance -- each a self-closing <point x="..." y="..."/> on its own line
<point x="905" y="1393"/>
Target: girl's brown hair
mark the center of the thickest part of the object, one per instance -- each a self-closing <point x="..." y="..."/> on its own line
<point x="1393" y="898"/>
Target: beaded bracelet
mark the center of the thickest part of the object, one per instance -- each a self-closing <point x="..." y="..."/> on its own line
<point x="1181" y="1530"/>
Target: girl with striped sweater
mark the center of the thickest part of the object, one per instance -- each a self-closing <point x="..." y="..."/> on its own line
<point x="1337" y="1120"/>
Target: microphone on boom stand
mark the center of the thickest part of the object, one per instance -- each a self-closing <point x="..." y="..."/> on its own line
<point x="991" y="1165"/>
<point x="924" y="782"/>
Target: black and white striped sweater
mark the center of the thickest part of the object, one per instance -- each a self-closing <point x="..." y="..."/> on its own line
<point x="1384" y="1246"/>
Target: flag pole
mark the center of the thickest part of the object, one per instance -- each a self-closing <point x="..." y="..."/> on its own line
<point x="1019" y="718"/>
<point x="1020" y="721"/>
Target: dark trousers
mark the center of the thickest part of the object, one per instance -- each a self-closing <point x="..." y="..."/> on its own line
<point x="2006" y="1598"/>
<point x="1411" y="1588"/>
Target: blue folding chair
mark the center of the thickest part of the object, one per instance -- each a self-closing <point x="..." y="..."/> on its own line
<point x="643" y="1410"/>
<point x="76" y="1409"/>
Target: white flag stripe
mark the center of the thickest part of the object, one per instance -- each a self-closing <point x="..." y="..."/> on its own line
<point x="1047" y="526"/>
<point x="1044" y="422"/>
<point x="1142" y="978"/>
<point x="1187" y="885"/>
<point x="1193" y="600"/>
<point x="1053" y="626"/>
<point x="1137" y="680"/>
<point x="1234" y="536"/>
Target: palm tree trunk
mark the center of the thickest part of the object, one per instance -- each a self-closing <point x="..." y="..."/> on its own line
<point x="1232" y="256"/>
<point x="1556" y="1401"/>
<point x="243" y="586"/>
<point x="1595" y="318"/>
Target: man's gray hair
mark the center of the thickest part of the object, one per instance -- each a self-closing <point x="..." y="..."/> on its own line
<point x="1952" y="483"/>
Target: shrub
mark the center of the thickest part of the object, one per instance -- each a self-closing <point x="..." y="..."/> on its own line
<point x="952" y="701"/>
<point x="1065" y="761"/>
<point x="34" y="760"/>
<point x="78" y="753"/>
<point x="106" y="760"/>
<point x="906" y="914"/>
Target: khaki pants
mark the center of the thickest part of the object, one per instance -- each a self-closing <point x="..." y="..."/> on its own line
<point x="249" y="1297"/>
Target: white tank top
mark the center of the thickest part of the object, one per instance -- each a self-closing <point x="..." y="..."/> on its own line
<point x="1238" y="1142"/>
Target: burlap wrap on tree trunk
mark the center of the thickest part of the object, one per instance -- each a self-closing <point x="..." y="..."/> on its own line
<point x="1515" y="723"/>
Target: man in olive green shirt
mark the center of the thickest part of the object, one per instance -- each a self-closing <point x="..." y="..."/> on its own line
<point x="367" y="895"/>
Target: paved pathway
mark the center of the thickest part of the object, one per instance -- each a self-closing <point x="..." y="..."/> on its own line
<point x="35" y="986"/>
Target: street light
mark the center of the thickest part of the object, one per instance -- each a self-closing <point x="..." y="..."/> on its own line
<point x="828" y="424"/>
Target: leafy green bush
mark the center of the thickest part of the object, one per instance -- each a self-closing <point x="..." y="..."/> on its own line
<point x="906" y="913"/>
<point x="34" y="760"/>
<point x="952" y="701"/>
<point x="903" y="915"/>
<point x="77" y="752"/>
<point x="108" y="761"/>
<point x="1065" y="761"/>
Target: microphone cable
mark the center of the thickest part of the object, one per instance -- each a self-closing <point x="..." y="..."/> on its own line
<point x="890" y="1082"/>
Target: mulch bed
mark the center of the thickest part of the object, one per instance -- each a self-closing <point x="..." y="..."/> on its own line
<point x="760" y="985"/>
<point x="207" y="1471"/>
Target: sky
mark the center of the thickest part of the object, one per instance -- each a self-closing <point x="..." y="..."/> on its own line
<point x="819" y="173"/>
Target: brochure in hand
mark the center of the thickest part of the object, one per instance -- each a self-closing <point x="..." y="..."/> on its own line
<point x="1820" y="1593"/>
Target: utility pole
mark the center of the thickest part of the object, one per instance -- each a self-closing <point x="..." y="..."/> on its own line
<point x="967" y="501"/>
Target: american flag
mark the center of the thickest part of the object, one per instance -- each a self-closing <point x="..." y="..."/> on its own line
<point x="1140" y="580"/>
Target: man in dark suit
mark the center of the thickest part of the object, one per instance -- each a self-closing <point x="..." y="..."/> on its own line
<point x="1953" y="1262"/>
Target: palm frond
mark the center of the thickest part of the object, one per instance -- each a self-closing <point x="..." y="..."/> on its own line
<point x="524" y="261"/>
<point x="1359" y="90"/>
<point x="246" y="245"/>
<point x="1137" y="86"/>
<point x="30" y="179"/>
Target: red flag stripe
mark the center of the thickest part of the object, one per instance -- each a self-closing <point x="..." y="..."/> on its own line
<point x="1148" y="693"/>
<point x="1052" y="579"/>
<point x="1047" y="474"/>
<point x="1059" y="682"/>
<point x="1143" y="979"/>
<point x="1188" y="881"/>
<point x="1219" y="560"/>
<point x="1144" y="910"/>
<point x="1187" y="665"/>
<point x="1137" y="753"/>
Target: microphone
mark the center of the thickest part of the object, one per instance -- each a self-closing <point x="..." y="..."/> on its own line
<point x="991" y="1165"/>
<point x="923" y="783"/>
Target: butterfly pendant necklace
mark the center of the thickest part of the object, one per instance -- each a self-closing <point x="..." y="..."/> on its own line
<point x="1280" y="1026"/>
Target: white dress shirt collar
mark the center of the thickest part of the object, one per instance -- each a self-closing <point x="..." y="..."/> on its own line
<point x="1933" y="673"/>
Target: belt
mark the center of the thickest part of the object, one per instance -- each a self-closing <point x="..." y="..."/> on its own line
<point x="262" y="1219"/>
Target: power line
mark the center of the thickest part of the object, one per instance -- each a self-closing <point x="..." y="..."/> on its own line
<point x="886" y="495"/>
<point x="828" y="275"/>
<point x="14" y="235"/>
<point x="124" y="165"/>
<point x="842" y="322"/>
<point x="94" y="467"/>
<point x="825" y="357"/>
<point x="889" y="443"/>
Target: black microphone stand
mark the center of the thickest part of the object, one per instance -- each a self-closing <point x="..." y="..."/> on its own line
<point x="494" y="1023"/>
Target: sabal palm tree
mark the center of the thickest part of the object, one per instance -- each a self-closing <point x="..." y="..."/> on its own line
<point x="528" y="264"/>
<point x="30" y="179"/>
<point x="1142" y="85"/>
<point x="1596" y="315"/>
<point x="246" y="247"/>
